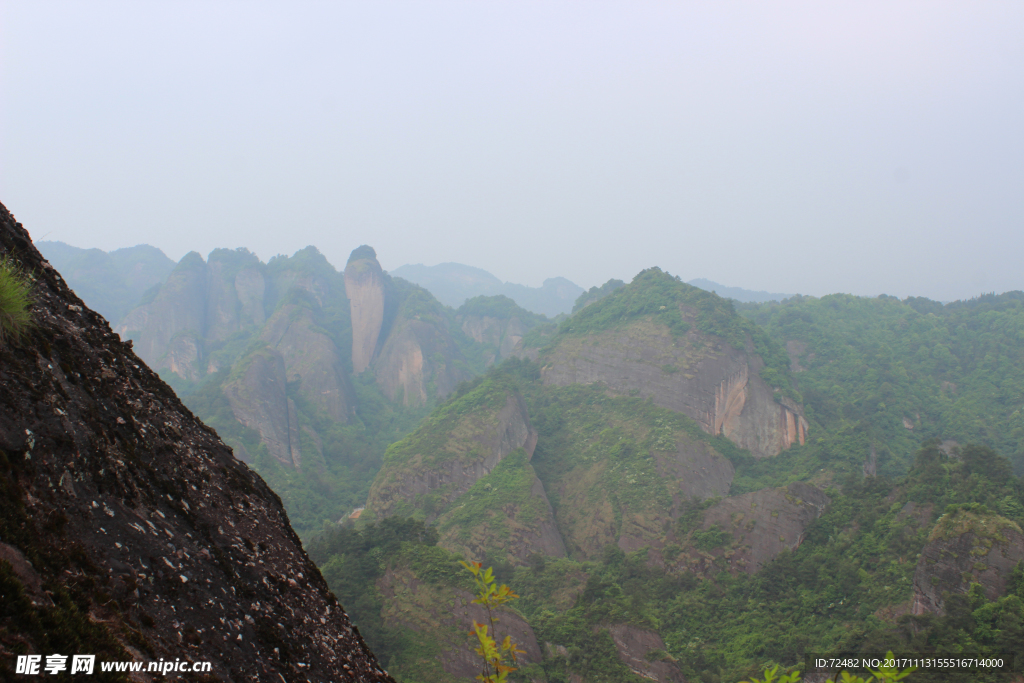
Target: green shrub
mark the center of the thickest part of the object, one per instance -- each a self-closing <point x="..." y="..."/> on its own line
<point x="15" y="297"/>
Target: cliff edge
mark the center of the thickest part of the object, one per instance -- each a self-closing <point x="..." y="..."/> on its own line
<point x="128" y="530"/>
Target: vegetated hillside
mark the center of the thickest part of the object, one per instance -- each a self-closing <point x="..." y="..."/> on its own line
<point x="453" y="284"/>
<point x="886" y="374"/>
<point x="127" y="528"/>
<point x="681" y="554"/>
<point x="112" y="282"/>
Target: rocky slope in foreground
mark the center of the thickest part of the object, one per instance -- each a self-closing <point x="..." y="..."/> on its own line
<point x="127" y="528"/>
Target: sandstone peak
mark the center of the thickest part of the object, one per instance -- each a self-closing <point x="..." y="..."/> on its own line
<point x="364" y="286"/>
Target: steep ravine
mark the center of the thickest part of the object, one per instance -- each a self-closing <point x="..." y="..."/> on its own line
<point x="129" y="523"/>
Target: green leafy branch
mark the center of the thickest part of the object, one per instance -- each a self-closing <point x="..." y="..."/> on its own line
<point x="498" y="660"/>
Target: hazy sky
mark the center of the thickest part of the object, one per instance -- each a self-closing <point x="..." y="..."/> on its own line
<point x="806" y="147"/>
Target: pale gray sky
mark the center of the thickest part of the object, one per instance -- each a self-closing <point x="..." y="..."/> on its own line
<point x="789" y="146"/>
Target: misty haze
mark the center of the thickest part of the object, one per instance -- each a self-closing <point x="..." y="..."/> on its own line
<point x="535" y="342"/>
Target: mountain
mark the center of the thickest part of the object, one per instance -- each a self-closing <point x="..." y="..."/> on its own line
<point x="128" y="530"/>
<point x="738" y="293"/>
<point x="453" y="284"/>
<point x="111" y="282"/>
<point x="678" y="493"/>
<point x="307" y="372"/>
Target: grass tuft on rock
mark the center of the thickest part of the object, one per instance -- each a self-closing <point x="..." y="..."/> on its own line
<point x="15" y="298"/>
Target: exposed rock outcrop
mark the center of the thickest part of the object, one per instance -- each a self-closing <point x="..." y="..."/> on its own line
<point x="712" y="382"/>
<point x="311" y="358"/>
<point x="179" y="307"/>
<point x="364" y="286"/>
<point x="259" y="401"/>
<point x="419" y="362"/>
<point x="503" y="335"/>
<point x="153" y="539"/>
<point x="497" y="323"/>
<point x="966" y="547"/>
<point x="201" y="303"/>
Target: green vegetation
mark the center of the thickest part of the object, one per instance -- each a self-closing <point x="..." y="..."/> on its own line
<point x="596" y="294"/>
<point x="499" y="306"/>
<point x="364" y="251"/>
<point x="893" y="373"/>
<point x="15" y="299"/>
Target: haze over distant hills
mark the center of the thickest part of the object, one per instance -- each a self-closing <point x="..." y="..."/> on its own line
<point x="454" y="283"/>
<point x="111" y="282"/>
<point x="746" y="296"/>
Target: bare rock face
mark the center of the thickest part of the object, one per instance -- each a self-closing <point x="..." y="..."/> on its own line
<point x="184" y="356"/>
<point x="634" y="644"/>
<point x="481" y="440"/>
<point x="179" y="307"/>
<point x="258" y="400"/>
<point x="966" y="547"/>
<point x="710" y="381"/>
<point x="234" y="293"/>
<point x="413" y="603"/>
<point x="760" y="524"/>
<point x="500" y="334"/>
<point x="364" y="286"/>
<point x="152" y="539"/>
<point x="415" y="355"/>
<point x="202" y="302"/>
<point x="311" y="358"/>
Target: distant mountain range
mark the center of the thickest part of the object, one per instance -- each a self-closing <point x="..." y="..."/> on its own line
<point x="738" y="293"/>
<point x="454" y="283"/>
<point x="112" y="282"/>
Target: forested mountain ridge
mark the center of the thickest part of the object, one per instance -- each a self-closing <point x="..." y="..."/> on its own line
<point x="660" y="520"/>
<point x="127" y="528"/>
<point x="892" y="373"/>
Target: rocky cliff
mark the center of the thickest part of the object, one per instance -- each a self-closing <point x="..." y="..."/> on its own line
<point x="364" y="286"/>
<point x="496" y="323"/>
<point x="670" y="355"/>
<point x="200" y="306"/>
<point x="130" y="525"/>
<point x="419" y="362"/>
<point x="966" y="547"/>
<point x="259" y="400"/>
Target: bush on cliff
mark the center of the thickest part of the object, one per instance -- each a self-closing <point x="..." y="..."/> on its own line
<point x="15" y="297"/>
